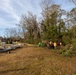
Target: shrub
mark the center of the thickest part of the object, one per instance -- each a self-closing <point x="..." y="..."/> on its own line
<point x="66" y="40"/>
<point x="62" y="51"/>
<point x="67" y="50"/>
<point x="41" y="45"/>
<point x="74" y="44"/>
<point x="67" y="53"/>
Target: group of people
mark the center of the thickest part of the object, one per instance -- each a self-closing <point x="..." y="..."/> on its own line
<point x="54" y="45"/>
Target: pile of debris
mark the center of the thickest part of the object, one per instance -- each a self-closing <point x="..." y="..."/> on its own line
<point x="8" y="47"/>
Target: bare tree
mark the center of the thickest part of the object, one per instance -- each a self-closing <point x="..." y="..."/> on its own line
<point x="12" y="33"/>
<point x="74" y="1"/>
<point x="6" y="32"/>
<point x="30" y="27"/>
<point x="45" y="6"/>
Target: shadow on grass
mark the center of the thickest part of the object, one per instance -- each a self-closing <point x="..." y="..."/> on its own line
<point x="6" y="71"/>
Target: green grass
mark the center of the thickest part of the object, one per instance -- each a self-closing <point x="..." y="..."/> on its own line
<point x="36" y="61"/>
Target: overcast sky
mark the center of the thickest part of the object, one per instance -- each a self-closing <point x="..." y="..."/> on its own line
<point x="11" y="11"/>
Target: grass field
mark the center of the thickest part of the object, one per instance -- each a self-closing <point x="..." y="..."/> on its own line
<point x="36" y="61"/>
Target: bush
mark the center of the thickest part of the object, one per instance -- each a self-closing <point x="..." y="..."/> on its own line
<point x="74" y="44"/>
<point x="62" y="51"/>
<point x="67" y="50"/>
<point x="41" y="45"/>
<point x="66" y="40"/>
<point x="67" y="53"/>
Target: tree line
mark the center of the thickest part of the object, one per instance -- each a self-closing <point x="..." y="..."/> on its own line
<point x="57" y="25"/>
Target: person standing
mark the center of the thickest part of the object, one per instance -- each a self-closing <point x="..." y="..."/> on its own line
<point x="60" y="44"/>
<point x="55" y="45"/>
